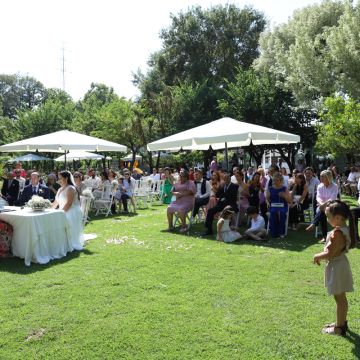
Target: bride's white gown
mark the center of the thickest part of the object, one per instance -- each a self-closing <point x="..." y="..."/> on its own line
<point x="74" y="217"/>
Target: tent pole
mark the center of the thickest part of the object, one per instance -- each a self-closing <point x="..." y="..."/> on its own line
<point x="65" y="159"/>
<point x="226" y="157"/>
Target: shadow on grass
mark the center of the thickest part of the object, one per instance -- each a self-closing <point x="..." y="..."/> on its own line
<point x="295" y="240"/>
<point x="16" y="265"/>
<point x="112" y="216"/>
<point x="354" y="339"/>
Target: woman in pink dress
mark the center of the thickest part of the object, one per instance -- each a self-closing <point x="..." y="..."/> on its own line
<point x="184" y="191"/>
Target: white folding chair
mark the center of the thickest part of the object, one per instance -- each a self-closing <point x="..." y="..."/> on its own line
<point x="142" y="193"/>
<point x="157" y="191"/>
<point x="85" y="202"/>
<point x="103" y="205"/>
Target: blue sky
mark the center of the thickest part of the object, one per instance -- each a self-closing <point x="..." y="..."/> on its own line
<point x="104" y="41"/>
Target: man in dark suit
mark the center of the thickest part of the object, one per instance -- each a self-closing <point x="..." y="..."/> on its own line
<point x="10" y="189"/>
<point x="34" y="188"/>
<point x="227" y="196"/>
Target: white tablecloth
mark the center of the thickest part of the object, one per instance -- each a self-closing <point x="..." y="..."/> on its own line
<point x="38" y="236"/>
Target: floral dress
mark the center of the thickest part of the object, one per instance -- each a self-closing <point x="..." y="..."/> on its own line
<point x="6" y="232"/>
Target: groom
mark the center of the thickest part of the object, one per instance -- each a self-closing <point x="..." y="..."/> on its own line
<point x="34" y="188"/>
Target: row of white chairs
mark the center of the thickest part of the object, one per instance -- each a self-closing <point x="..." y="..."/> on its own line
<point x="144" y="191"/>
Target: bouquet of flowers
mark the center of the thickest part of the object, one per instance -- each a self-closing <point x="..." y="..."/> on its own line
<point x="37" y="203"/>
<point x="88" y="193"/>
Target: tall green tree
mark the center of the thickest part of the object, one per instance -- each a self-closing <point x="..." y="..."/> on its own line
<point x="47" y="118"/>
<point x="121" y="122"/>
<point x="98" y="96"/>
<point x="19" y="93"/>
<point x="200" y="49"/>
<point x="338" y="129"/>
<point x="254" y="98"/>
<point x="298" y="54"/>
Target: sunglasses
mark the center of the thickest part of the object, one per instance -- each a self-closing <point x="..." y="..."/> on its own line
<point x="76" y="176"/>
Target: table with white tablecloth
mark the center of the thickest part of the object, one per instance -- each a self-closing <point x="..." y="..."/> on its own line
<point x="38" y="236"/>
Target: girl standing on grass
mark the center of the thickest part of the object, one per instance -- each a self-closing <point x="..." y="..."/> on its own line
<point x="225" y="232"/>
<point x="338" y="277"/>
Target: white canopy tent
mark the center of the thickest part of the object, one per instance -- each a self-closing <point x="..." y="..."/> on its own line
<point x="28" y="158"/>
<point x="81" y="155"/>
<point x="63" y="141"/>
<point x="221" y="134"/>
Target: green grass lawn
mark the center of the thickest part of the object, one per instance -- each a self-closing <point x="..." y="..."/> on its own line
<point x="138" y="292"/>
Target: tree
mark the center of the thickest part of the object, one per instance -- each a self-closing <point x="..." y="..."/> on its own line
<point x="254" y="97"/>
<point x="57" y="95"/>
<point x="96" y="97"/>
<point x="200" y="49"/>
<point x="8" y="131"/>
<point x="209" y="44"/>
<point x="344" y="45"/>
<point x="119" y="121"/>
<point x="338" y="129"/>
<point x="47" y="118"/>
<point x="298" y="54"/>
<point x="19" y="93"/>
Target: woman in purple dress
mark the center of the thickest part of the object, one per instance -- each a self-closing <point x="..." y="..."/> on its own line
<point x="184" y="191"/>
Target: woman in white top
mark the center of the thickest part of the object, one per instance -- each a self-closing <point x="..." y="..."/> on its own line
<point x="68" y="199"/>
<point x="127" y="190"/>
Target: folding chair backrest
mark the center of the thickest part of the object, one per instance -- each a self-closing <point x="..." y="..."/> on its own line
<point x="85" y="206"/>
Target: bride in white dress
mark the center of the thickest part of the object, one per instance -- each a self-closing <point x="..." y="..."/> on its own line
<point x="67" y="198"/>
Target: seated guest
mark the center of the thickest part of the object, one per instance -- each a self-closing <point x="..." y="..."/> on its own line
<point x="20" y="179"/>
<point x="135" y="174"/>
<point x="249" y="174"/>
<point x="35" y="188"/>
<point x="326" y="191"/>
<point x="352" y="181"/>
<point x="227" y="195"/>
<point x="215" y="184"/>
<point x="53" y="186"/>
<point x="300" y="201"/>
<point x="104" y="187"/>
<point x="291" y="181"/>
<point x="79" y="184"/>
<point x="225" y="232"/>
<point x="28" y="177"/>
<point x="279" y="198"/>
<point x="234" y="171"/>
<point x="257" y="230"/>
<point x="312" y="183"/>
<point x="168" y="185"/>
<point x="10" y="189"/>
<point x="92" y="181"/>
<point x="18" y="168"/>
<point x="254" y="190"/>
<point x="114" y="186"/>
<point x="184" y="191"/>
<point x="243" y="195"/>
<point x="285" y="175"/>
<point x="155" y="175"/>
<point x="125" y="190"/>
<point x="203" y="191"/>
